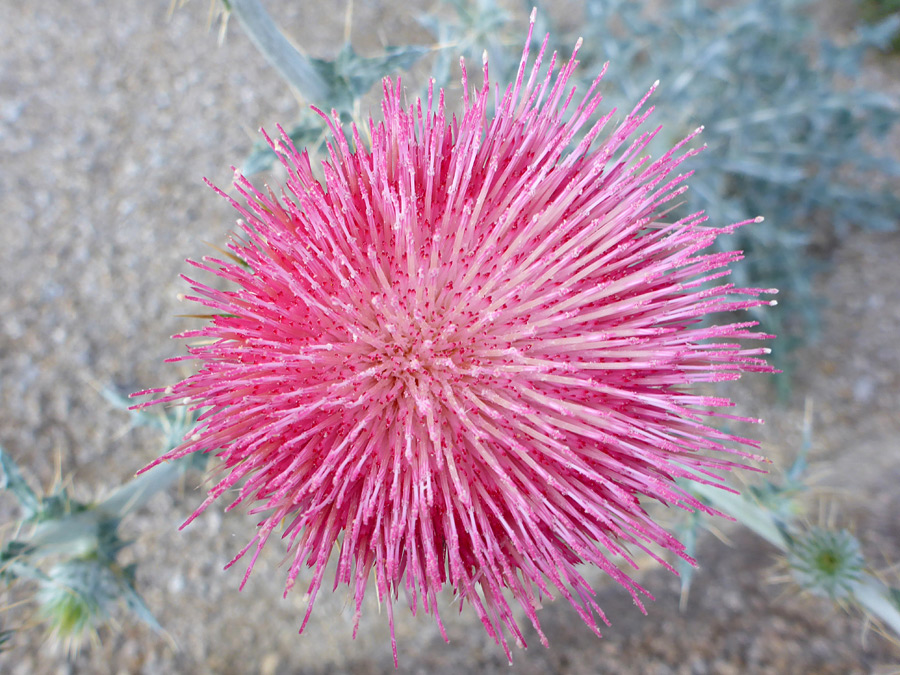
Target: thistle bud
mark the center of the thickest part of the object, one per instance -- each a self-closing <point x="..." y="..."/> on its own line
<point x="827" y="562"/>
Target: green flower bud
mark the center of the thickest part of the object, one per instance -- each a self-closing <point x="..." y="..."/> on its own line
<point x="827" y="562"/>
<point x="77" y="598"/>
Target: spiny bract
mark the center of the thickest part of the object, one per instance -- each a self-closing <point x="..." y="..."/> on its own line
<point x="462" y="360"/>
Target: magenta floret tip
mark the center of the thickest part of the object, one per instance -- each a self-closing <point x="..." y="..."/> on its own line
<point x="466" y="358"/>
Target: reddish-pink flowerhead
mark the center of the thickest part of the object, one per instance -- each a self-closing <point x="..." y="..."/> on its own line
<point x="465" y="358"/>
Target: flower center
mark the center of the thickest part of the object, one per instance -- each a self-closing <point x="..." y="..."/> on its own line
<point x="415" y="353"/>
<point x="416" y="347"/>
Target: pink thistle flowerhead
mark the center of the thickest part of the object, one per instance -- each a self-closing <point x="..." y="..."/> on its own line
<point x="462" y="360"/>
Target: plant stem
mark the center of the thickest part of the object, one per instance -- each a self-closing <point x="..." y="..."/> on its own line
<point x="293" y="66"/>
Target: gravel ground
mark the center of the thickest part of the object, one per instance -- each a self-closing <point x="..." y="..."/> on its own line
<point x="110" y="114"/>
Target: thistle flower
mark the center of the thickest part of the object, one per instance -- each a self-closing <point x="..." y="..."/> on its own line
<point x="462" y="360"/>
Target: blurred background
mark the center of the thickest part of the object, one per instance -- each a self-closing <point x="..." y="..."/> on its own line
<point x="112" y="113"/>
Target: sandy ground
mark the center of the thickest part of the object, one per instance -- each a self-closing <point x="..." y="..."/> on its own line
<point x="110" y="115"/>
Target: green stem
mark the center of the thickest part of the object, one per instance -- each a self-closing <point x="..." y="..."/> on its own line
<point x="293" y="66"/>
<point x="79" y="533"/>
<point x="747" y="512"/>
<point x="874" y="596"/>
<point x="140" y="489"/>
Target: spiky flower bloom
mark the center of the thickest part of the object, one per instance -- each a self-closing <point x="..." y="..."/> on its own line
<point x="462" y="361"/>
